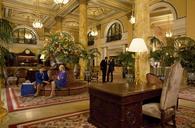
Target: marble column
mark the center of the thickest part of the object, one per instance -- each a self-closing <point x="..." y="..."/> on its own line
<point x="142" y="30"/>
<point x="3" y="111"/>
<point x="83" y="32"/>
<point x="41" y="33"/>
<point x="58" y="25"/>
<point x="1" y="12"/>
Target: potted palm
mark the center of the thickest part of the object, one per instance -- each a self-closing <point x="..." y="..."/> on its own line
<point x="127" y="60"/>
<point x="186" y="52"/>
<point x="88" y="56"/>
<point x="5" y="37"/>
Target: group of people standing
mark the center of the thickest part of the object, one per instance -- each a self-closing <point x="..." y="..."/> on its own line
<point x="42" y="79"/>
<point x="107" y="68"/>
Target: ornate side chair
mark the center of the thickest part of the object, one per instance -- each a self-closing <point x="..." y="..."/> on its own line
<point x="165" y="110"/>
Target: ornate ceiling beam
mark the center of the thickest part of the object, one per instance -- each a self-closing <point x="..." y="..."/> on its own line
<point x="68" y="8"/>
<point x="15" y="5"/>
<point x="114" y="4"/>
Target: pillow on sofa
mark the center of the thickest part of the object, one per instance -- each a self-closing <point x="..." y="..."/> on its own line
<point x="152" y="79"/>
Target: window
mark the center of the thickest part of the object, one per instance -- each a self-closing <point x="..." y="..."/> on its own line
<point x="90" y="39"/>
<point x="114" y="32"/>
<point x="24" y="36"/>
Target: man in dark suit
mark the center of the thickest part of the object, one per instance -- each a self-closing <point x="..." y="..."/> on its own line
<point x="103" y="66"/>
<point x="110" y="70"/>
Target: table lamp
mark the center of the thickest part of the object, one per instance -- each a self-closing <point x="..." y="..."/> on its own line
<point x="138" y="45"/>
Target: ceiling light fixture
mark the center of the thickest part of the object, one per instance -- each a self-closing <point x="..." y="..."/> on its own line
<point x="169" y="32"/>
<point x="37" y="22"/>
<point x="28" y="36"/>
<point x="132" y="19"/>
<point x="61" y="2"/>
<point x="94" y="32"/>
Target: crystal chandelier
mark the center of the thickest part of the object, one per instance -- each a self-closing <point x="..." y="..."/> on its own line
<point x="37" y="22"/>
<point x="61" y="1"/>
<point x="169" y="33"/>
<point x="93" y="32"/>
<point x="28" y="36"/>
<point x="132" y="19"/>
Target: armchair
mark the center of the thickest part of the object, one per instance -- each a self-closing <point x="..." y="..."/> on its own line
<point x="165" y="110"/>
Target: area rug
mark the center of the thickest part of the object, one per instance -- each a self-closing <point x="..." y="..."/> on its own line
<point x="185" y="118"/>
<point x="187" y="94"/>
<point x="16" y="102"/>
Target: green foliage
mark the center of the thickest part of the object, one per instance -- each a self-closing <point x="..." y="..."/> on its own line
<point x="60" y="47"/>
<point x="5" y="30"/>
<point x="89" y="55"/>
<point x="5" y="37"/>
<point x="182" y="48"/>
<point x="127" y="59"/>
<point x="186" y="53"/>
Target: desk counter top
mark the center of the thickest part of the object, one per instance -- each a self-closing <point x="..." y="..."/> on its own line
<point x="125" y="89"/>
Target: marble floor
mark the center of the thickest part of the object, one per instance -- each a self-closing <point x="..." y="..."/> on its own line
<point x="43" y="112"/>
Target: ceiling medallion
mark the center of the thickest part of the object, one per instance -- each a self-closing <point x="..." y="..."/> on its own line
<point x="61" y="1"/>
<point x="95" y="11"/>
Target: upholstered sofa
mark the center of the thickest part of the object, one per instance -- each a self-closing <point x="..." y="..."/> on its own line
<point x="73" y="87"/>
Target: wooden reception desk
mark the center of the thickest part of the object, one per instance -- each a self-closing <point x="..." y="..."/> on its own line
<point x="119" y="105"/>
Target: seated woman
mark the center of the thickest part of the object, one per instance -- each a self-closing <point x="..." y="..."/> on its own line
<point x="61" y="81"/>
<point x="41" y="79"/>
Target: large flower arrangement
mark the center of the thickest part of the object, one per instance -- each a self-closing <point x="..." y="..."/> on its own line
<point x="60" y="48"/>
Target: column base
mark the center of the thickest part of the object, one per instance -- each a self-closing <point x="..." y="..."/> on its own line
<point x="3" y="113"/>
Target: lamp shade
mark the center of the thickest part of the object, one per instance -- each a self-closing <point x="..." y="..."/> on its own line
<point x="138" y="45"/>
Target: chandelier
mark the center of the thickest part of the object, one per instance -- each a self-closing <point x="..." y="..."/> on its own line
<point x="28" y="36"/>
<point x="37" y="22"/>
<point x="132" y="19"/>
<point x="169" y="33"/>
<point x="94" y="33"/>
<point x="61" y="1"/>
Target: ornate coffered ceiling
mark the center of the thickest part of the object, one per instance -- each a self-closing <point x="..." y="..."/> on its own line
<point x="24" y="12"/>
<point x="18" y="11"/>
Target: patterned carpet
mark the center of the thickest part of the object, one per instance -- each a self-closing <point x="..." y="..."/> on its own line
<point x="185" y="118"/>
<point x="16" y="102"/>
<point x="187" y="94"/>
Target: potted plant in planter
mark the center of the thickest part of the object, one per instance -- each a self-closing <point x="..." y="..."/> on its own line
<point x="127" y="60"/>
<point x="5" y="38"/>
<point x="88" y="56"/>
<point x="186" y="52"/>
<point x="61" y="49"/>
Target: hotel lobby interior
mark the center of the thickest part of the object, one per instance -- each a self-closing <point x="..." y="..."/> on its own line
<point x="152" y="43"/>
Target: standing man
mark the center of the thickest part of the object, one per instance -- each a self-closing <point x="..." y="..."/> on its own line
<point x="110" y="70"/>
<point x="103" y="66"/>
